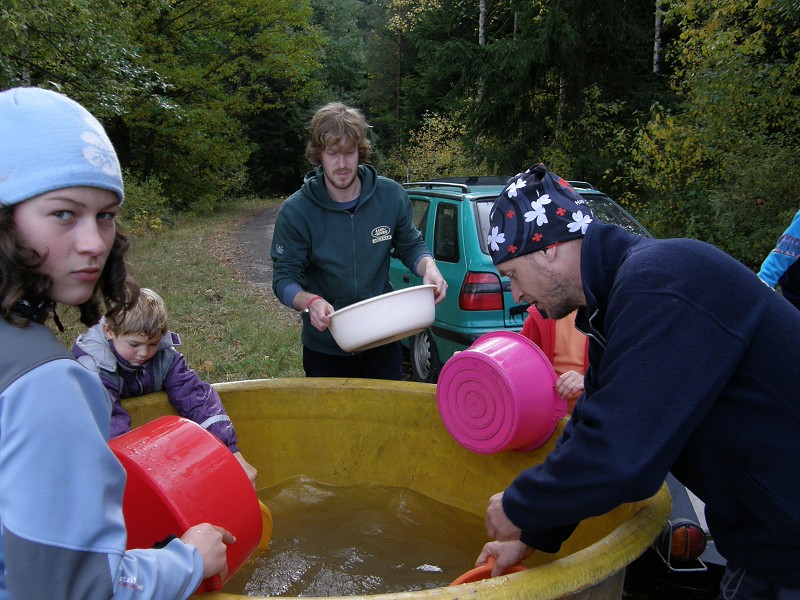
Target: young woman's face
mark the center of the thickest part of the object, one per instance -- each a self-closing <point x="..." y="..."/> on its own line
<point x="74" y="228"/>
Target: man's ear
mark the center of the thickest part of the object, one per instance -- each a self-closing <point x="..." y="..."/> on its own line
<point x="107" y="330"/>
<point x="550" y="253"/>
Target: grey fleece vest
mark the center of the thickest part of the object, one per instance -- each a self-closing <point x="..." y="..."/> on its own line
<point x="25" y="348"/>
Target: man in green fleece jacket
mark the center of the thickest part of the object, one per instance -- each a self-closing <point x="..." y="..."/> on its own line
<point x="332" y="242"/>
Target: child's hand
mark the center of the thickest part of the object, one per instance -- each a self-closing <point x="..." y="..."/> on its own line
<point x="249" y="469"/>
<point x="506" y="554"/>
<point x="570" y="385"/>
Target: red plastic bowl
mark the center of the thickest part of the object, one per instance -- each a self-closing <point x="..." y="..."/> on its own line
<point x="180" y="475"/>
<point x="499" y="394"/>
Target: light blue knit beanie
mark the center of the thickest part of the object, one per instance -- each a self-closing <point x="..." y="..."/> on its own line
<point x="49" y="142"/>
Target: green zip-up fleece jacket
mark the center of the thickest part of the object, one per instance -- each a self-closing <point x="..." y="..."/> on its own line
<point x="340" y="256"/>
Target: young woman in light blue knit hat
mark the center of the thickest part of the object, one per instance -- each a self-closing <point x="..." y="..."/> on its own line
<point x="62" y="531"/>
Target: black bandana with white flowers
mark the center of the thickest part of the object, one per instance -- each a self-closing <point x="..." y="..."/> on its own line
<point x="536" y="210"/>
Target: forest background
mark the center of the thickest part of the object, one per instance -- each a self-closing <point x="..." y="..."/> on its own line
<point x="685" y="111"/>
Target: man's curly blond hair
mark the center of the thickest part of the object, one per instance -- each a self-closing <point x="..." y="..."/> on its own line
<point x="331" y="124"/>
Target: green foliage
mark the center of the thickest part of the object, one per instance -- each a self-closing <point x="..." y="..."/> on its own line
<point x="224" y="60"/>
<point x="209" y="99"/>
<point x="721" y="165"/>
<point x="406" y="14"/>
<point x="434" y="150"/>
<point x="82" y="48"/>
<point x="145" y="209"/>
<point x="278" y="162"/>
<point x="343" y="61"/>
<point x="520" y="94"/>
<point x="594" y="147"/>
<point x="173" y="82"/>
<point x="204" y="155"/>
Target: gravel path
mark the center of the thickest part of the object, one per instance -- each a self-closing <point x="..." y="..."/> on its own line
<point x="244" y="246"/>
<point x="254" y="237"/>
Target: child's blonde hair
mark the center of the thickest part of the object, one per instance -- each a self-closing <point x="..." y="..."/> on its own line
<point x="147" y="316"/>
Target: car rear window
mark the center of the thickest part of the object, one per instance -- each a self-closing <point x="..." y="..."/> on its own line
<point x="603" y="207"/>
<point x="445" y="239"/>
<point x="483" y="208"/>
<point x="612" y="213"/>
<point x="420" y="208"/>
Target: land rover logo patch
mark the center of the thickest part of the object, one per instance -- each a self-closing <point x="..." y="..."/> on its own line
<point x="381" y="234"/>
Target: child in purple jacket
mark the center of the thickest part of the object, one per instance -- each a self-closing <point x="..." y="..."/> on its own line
<point x="135" y="354"/>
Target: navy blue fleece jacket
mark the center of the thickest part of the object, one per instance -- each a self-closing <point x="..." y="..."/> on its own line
<point x="342" y="256"/>
<point x="694" y="368"/>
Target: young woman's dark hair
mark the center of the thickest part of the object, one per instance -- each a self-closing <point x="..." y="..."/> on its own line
<point x="21" y="283"/>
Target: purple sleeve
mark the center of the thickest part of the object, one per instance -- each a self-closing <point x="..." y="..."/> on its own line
<point x="196" y="400"/>
<point x="120" y="419"/>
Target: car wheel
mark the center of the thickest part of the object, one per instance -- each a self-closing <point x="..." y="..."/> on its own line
<point x="425" y="365"/>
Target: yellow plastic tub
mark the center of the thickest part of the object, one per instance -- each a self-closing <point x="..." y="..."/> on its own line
<point x="345" y="431"/>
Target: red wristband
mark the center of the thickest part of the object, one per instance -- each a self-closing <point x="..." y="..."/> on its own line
<point x="313" y="299"/>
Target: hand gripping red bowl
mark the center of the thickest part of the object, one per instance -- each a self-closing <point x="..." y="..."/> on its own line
<point x="485" y="572"/>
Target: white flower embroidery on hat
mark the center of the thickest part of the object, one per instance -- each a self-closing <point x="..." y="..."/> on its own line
<point x="514" y="186"/>
<point x="99" y="152"/>
<point x="581" y="222"/>
<point x="495" y="238"/>
<point x="538" y="212"/>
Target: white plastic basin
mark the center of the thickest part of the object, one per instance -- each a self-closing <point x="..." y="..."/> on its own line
<point x="383" y="319"/>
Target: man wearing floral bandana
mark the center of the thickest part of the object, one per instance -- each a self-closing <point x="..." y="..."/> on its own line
<point x="693" y="369"/>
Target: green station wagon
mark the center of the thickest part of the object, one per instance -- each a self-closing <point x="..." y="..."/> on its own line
<point x="453" y="216"/>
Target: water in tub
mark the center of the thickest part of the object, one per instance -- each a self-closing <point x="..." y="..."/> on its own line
<point x="358" y="540"/>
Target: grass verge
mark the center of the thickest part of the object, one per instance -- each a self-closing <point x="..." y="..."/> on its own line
<point x="231" y="330"/>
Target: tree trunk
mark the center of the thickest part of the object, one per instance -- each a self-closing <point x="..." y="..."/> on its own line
<point x="482" y="24"/>
<point x="657" y="42"/>
<point x="398" y="77"/>
<point x="121" y="138"/>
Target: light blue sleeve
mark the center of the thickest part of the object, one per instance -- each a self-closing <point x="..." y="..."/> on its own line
<point x="61" y="493"/>
<point x="784" y="255"/>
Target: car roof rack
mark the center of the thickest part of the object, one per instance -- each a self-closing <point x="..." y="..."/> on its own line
<point x="461" y="184"/>
<point x="583" y="185"/>
<point x="429" y="185"/>
<point x="469" y="184"/>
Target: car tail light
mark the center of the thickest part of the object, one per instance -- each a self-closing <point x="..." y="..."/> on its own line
<point x="481" y="291"/>
<point x="680" y="545"/>
<point x="688" y="541"/>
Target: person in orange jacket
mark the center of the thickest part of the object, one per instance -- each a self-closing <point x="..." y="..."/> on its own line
<point x="565" y="347"/>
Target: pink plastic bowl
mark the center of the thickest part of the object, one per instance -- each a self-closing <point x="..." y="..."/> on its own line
<point x="499" y="394"/>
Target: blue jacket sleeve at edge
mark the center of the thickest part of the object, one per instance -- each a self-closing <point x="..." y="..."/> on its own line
<point x="784" y="255"/>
